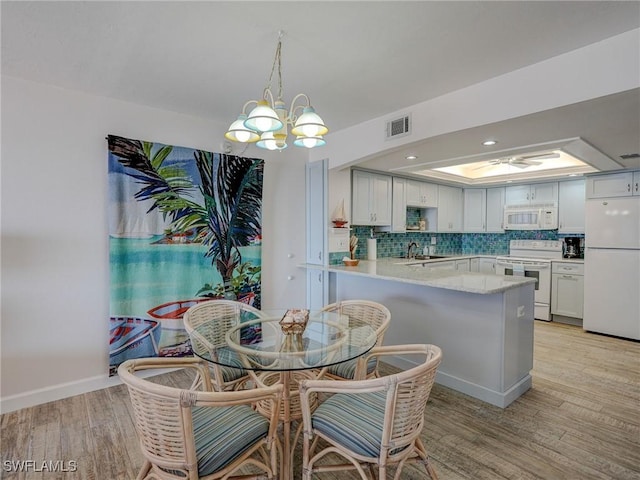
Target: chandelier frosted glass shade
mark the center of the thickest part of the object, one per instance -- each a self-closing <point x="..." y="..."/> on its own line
<point x="309" y="142"/>
<point x="263" y="118"/>
<point x="309" y="124"/>
<point x="239" y="133"/>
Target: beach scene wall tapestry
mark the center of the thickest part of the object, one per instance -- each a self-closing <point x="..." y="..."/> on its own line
<point x="184" y="227"/>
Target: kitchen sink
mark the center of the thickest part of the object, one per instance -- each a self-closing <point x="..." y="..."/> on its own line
<point x="422" y="257"/>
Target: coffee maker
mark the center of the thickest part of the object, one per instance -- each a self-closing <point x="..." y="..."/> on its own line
<point x="572" y="247"/>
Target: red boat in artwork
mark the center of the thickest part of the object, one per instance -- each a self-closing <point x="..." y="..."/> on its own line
<point x="175" y="310"/>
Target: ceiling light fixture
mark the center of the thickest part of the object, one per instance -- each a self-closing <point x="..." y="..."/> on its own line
<point x="489" y="143"/>
<point x="411" y="157"/>
<point x="268" y="122"/>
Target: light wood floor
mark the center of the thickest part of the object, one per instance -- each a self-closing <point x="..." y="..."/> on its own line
<point x="580" y="421"/>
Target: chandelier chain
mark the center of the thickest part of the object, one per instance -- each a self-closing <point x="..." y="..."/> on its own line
<point x="277" y="60"/>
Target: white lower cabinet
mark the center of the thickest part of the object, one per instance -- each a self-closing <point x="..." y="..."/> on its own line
<point x="449" y="265"/>
<point x="463" y="265"/>
<point x="567" y="289"/>
<point x="487" y="265"/>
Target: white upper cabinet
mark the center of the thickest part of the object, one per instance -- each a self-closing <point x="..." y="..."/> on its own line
<point x="450" y="205"/>
<point x="534" y="194"/>
<point x="495" y="209"/>
<point x="571" y="199"/>
<point x="623" y="184"/>
<point x="475" y="209"/>
<point x="483" y="209"/>
<point x="371" y="199"/>
<point x="421" y="194"/>
<point x="399" y="206"/>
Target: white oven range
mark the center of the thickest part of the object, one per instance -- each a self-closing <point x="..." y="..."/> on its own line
<point x="532" y="258"/>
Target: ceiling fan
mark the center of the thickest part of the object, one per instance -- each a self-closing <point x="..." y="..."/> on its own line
<point x="520" y="161"/>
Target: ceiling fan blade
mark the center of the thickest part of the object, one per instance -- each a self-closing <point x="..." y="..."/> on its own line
<point x="521" y="164"/>
<point x="539" y="156"/>
<point x="485" y="166"/>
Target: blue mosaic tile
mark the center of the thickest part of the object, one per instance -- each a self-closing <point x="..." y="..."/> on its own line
<point x="396" y="244"/>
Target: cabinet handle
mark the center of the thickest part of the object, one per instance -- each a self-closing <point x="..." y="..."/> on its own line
<point x="628" y="187"/>
<point x="320" y="277"/>
<point x="636" y="186"/>
<point x="320" y="255"/>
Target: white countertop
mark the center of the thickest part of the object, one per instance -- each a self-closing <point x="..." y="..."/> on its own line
<point x="412" y="272"/>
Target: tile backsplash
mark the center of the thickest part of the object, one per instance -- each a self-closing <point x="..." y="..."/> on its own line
<point x="395" y="244"/>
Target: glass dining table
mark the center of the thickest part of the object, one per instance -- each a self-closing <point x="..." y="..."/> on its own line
<point x="265" y="345"/>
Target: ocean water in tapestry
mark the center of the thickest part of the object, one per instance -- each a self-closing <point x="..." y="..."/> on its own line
<point x="184" y="227"/>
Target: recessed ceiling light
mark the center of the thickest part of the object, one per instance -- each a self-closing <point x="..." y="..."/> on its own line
<point x="488" y="143"/>
<point x="411" y="157"/>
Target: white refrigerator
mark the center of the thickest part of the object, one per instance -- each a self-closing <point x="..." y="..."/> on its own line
<point x="612" y="266"/>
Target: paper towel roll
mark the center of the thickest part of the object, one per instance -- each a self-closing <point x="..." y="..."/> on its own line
<point x="371" y="248"/>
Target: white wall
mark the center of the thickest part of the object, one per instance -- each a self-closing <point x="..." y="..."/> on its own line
<point x="54" y="264"/>
<point x="600" y="69"/>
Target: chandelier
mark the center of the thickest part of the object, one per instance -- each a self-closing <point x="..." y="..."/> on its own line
<point x="268" y="122"/>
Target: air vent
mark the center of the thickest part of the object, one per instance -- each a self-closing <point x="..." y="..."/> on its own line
<point x="399" y="127"/>
<point x="629" y="156"/>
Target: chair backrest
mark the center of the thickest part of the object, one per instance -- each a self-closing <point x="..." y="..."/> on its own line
<point x="408" y="394"/>
<point x="163" y="414"/>
<point x="220" y="316"/>
<point x="371" y="313"/>
<point x="163" y="425"/>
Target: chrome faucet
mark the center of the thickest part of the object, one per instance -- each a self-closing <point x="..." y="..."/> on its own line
<point x="412" y="244"/>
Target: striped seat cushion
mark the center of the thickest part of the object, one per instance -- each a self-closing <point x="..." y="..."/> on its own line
<point x="224" y="433"/>
<point x="230" y="374"/>
<point x="353" y="420"/>
<point x="348" y="369"/>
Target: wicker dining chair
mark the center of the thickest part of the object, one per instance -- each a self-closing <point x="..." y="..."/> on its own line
<point x="191" y="434"/>
<point x="220" y="316"/>
<point x="366" y="312"/>
<point x="371" y="422"/>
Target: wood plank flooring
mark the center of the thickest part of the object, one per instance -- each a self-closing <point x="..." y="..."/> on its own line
<point x="580" y="421"/>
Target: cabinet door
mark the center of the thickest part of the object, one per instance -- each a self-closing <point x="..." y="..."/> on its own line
<point x="463" y="265"/>
<point x="316" y="174"/>
<point x="544" y="193"/>
<point x="518" y="195"/>
<point x="399" y="205"/>
<point x="361" y="213"/>
<point x="381" y="196"/>
<point x="475" y="209"/>
<point x="421" y="194"/>
<point x="370" y="199"/>
<point x="474" y="264"/>
<point x="495" y="209"/>
<point x="611" y="185"/>
<point x="567" y="295"/>
<point x="429" y="193"/>
<point x="449" y="209"/>
<point x="532" y="194"/>
<point x="317" y="291"/>
<point x="571" y="200"/>
<point x="447" y="266"/>
<point x="487" y="265"/>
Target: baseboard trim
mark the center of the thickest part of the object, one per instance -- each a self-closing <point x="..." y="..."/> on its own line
<point x="56" y="392"/>
<point x="499" y="399"/>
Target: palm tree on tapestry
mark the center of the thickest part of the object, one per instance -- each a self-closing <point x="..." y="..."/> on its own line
<point x="231" y="187"/>
<point x="232" y="191"/>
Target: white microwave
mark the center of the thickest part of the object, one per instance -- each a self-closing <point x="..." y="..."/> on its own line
<point x="530" y="217"/>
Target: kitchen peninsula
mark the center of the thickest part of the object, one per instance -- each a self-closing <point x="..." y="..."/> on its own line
<point x="483" y="323"/>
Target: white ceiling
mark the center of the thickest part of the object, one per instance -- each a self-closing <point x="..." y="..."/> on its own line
<point x="356" y="60"/>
